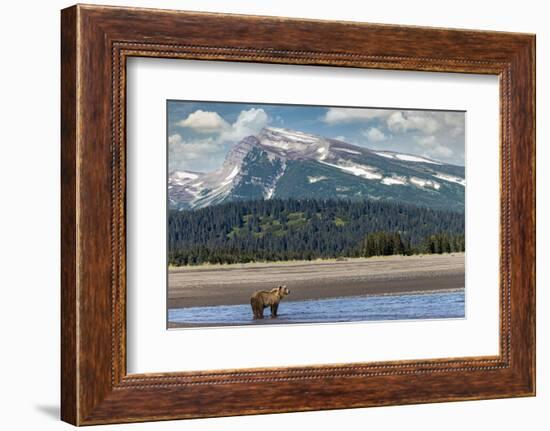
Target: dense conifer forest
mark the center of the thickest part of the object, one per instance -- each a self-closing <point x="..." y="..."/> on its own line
<point x="292" y="229"/>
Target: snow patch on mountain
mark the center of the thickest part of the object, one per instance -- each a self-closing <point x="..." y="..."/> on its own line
<point x="270" y="189"/>
<point x="386" y="155"/>
<point x="293" y="135"/>
<point x="421" y="182"/>
<point x="323" y="153"/>
<point x="394" y="180"/>
<point x="405" y="157"/>
<point x="313" y="180"/>
<point x="363" y="171"/>
<point x="230" y="177"/>
<point x="450" y="178"/>
<point x="287" y="140"/>
<point x="184" y="175"/>
<point x="347" y="150"/>
<point x="180" y="178"/>
<point x="409" y="158"/>
<point x="195" y="189"/>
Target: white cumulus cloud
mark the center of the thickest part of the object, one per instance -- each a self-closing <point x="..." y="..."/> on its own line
<point x="175" y="139"/>
<point x="441" y="152"/>
<point x="374" y="134"/>
<point x="429" y="146"/>
<point x="204" y="122"/>
<point x="193" y="154"/>
<point x="205" y="154"/>
<point x="426" y="141"/>
<point x="349" y="115"/>
<point x="403" y="122"/>
<point x="248" y="123"/>
<point x="455" y="122"/>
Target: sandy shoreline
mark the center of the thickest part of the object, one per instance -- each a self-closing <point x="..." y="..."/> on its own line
<point x="212" y="285"/>
<point x="426" y="259"/>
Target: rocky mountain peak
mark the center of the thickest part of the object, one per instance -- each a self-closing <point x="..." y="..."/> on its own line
<point x="284" y="163"/>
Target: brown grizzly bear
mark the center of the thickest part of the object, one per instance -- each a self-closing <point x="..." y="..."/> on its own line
<point x="263" y="299"/>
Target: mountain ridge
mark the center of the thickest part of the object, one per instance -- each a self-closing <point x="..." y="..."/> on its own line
<point x="286" y="163"/>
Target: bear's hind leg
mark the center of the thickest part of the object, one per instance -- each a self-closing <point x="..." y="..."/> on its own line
<point x="255" y="310"/>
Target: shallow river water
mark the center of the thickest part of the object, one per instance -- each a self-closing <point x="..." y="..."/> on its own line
<point x="349" y="309"/>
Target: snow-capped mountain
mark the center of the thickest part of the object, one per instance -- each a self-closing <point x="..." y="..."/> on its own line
<point x="282" y="163"/>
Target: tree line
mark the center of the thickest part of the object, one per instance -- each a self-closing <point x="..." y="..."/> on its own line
<point x="389" y="243"/>
<point x="306" y="229"/>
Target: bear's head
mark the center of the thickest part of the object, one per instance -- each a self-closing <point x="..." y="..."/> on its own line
<point x="283" y="291"/>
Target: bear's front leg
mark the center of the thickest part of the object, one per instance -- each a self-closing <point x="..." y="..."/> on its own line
<point x="274" y="310"/>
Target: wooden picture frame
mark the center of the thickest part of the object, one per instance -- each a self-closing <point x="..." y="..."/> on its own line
<point x="95" y="43"/>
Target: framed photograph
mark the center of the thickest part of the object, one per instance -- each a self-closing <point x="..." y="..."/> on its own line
<point x="329" y="214"/>
<point x="266" y="211"/>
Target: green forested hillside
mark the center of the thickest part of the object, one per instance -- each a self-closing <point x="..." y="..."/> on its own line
<point x="290" y="229"/>
<point x="335" y="184"/>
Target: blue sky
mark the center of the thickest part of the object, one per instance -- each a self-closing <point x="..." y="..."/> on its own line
<point x="201" y="133"/>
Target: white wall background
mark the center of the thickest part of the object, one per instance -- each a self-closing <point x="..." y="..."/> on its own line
<point x="29" y="216"/>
